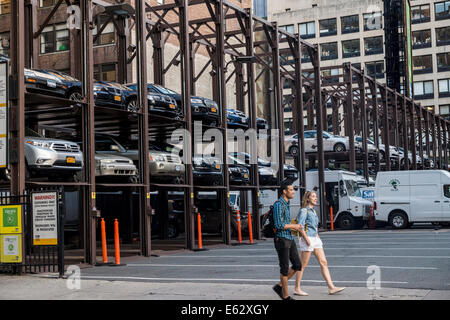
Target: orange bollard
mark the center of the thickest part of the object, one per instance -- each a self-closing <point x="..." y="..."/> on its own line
<point x="250" y="227"/>
<point x="331" y="217"/>
<point x="371" y="220"/>
<point x="116" y="241"/>
<point x="238" y="217"/>
<point x="104" y="251"/>
<point x="199" y="226"/>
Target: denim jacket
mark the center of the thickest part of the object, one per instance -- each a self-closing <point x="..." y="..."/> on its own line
<point x="310" y="221"/>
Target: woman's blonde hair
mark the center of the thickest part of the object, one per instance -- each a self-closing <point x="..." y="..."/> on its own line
<point x="305" y="199"/>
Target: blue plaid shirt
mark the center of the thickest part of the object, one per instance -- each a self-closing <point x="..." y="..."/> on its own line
<point x="280" y="219"/>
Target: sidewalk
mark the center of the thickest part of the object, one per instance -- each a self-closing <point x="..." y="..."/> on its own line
<point x="41" y="288"/>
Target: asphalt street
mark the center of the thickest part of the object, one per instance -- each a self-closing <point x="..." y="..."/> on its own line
<point x="413" y="259"/>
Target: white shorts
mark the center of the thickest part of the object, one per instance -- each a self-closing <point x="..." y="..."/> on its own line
<point x="316" y="243"/>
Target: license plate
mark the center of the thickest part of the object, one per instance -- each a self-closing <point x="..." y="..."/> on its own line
<point x="213" y="110"/>
<point x="70" y="159"/>
<point x="243" y="120"/>
<point x="171" y="106"/>
<point x="245" y="175"/>
<point x="117" y="98"/>
<point x="51" y="83"/>
<point x="177" y="168"/>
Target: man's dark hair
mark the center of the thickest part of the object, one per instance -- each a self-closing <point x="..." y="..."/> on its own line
<point x="284" y="186"/>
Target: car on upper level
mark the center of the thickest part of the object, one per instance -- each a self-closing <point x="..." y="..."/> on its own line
<point x="116" y="95"/>
<point x="331" y="143"/>
<point x="236" y="119"/>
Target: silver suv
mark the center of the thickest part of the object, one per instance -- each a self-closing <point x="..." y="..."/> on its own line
<point x="46" y="156"/>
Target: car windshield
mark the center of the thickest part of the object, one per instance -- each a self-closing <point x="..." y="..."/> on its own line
<point x="352" y="188"/>
<point x="263" y="162"/>
<point x="155" y="148"/>
<point x="31" y="133"/>
<point x="164" y="90"/>
<point x="233" y="198"/>
<point x="65" y="75"/>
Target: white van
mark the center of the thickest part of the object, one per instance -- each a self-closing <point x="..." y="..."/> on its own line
<point x="342" y="190"/>
<point x="405" y="197"/>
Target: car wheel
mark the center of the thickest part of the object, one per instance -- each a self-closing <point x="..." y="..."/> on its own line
<point x="293" y="150"/>
<point x="398" y="220"/>
<point x="346" y="221"/>
<point x="132" y="105"/>
<point x="339" y="147"/>
<point x="133" y="179"/>
<point x="76" y="95"/>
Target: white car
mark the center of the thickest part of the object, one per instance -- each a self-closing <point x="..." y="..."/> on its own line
<point x="331" y="143"/>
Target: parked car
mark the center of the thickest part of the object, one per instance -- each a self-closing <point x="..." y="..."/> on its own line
<point x="331" y="143"/>
<point x="53" y="158"/>
<point x="112" y="94"/>
<point x="207" y="170"/>
<point x="236" y="119"/>
<point x="371" y="147"/>
<point x="52" y="83"/>
<point x="267" y="175"/>
<point x="163" y="165"/>
<point x="238" y="173"/>
<point x="203" y="109"/>
<point x="290" y="171"/>
<point x="262" y="124"/>
<point x="160" y="103"/>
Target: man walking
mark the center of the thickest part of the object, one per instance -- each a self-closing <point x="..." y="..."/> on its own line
<point x="284" y="240"/>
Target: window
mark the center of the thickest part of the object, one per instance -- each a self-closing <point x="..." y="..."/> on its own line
<point x="423" y="90"/>
<point x="4" y="44"/>
<point x="422" y="64"/>
<point x="442" y="36"/>
<point x="286" y="84"/>
<point x="105" y="72"/>
<point x="444" y="111"/>
<point x="420" y="14"/>
<point x="289" y="28"/>
<point x="375" y="69"/>
<point x="351" y="48"/>
<point x="447" y="190"/>
<point x="350" y="24"/>
<point x="5" y="7"/>
<point x="328" y="27"/>
<point x="46" y="3"/>
<point x="331" y="75"/>
<point x="443" y="61"/>
<point x="310" y="134"/>
<point x="442" y="10"/>
<point x="372" y="21"/>
<point x="55" y="38"/>
<point x="307" y="30"/>
<point x="444" y="88"/>
<point x="328" y="51"/>
<point x="421" y="39"/>
<point x="107" y="35"/>
<point x="160" y="1"/>
<point x="305" y="55"/>
<point x="373" y="45"/>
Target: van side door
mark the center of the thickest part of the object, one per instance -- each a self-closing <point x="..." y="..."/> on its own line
<point x="445" y="214"/>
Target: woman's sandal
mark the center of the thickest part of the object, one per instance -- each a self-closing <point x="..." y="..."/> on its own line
<point x="335" y="290"/>
<point x="301" y="293"/>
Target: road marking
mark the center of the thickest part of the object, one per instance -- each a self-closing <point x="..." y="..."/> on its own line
<point x="336" y="256"/>
<point x="260" y="265"/>
<point x="226" y="279"/>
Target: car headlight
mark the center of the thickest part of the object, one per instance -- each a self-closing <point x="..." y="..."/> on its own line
<point x="197" y="162"/>
<point x="156" y="157"/>
<point x="29" y="73"/>
<point x="106" y="161"/>
<point x="97" y="88"/>
<point x="41" y="144"/>
<point x="193" y="100"/>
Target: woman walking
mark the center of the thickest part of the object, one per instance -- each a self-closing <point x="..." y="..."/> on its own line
<point x="312" y="243"/>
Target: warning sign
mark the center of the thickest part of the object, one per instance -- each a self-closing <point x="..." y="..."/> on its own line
<point x="45" y="218"/>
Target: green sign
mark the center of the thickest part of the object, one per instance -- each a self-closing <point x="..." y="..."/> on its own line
<point x="10" y="217"/>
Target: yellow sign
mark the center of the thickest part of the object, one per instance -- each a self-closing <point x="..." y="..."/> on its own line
<point x="11" y="219"/>
<point x="10" y="248"/>
<point x="93" y="195"/>
<point x="192" y="195"/>
<point x="148" y="195"/>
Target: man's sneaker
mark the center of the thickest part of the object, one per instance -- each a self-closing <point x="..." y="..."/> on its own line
<point x="278" y="290"/>
<point x="288" y="298"/>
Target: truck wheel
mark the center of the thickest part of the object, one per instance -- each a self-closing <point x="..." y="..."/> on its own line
<point x="346" y="221"/>
<point x="339" y="147"/>
<point x="398" y="220"/>
<point x="293" y="150"/>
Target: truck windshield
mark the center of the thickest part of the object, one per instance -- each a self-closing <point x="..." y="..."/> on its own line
<point x="352" y="188"/>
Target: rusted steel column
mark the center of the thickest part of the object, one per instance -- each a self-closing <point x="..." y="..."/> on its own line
<point x="158" y="56"/>
<point x="386" y="131"/>
<point x="420" y="134"/>
<point x="335" y="114"/>
<point x="348" y="78"/>
<point x="251" y="95"/>
<point x="17" y="105"/>
<point x="405" y="133"/>
<point x="319" y="115"/>
<point x="427" y="135"/>
<point x="239" y="78"/>
<point x="89" y="133"/>
<point x="433" y="139"/>
<point x="144" y="161"/>
<point x="395" y="120"/>
<point x="298" y="105"/>
<point x="221" y="99"/>
<point x="446" y="127"/>
<point x="309" y="106"/>
<point x="413" y="134"/>
<point x="278" y="91"/>
<point x="437" y="123"/>
<point x="185" y="68"/>
<point x="374" y="92"/>
<point x="364" y="124"/>
<point x="122" y="45"/>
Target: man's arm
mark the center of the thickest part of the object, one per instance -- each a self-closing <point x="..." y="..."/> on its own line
<point x="277" y="219"/>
